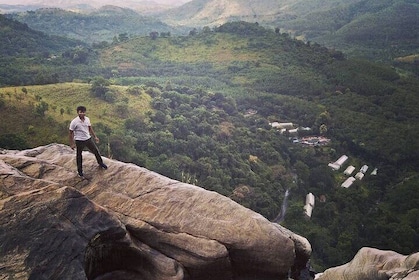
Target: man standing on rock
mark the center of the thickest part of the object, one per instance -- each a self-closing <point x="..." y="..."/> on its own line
<point x="80" y="137"/>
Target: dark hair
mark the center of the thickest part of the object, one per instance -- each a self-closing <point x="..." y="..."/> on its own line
<point x="81" y="108"/>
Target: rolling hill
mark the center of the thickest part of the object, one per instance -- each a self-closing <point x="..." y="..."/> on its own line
<point x="216" y="12"/>
<point x="377" y="30"/>
<point x="85" y="6"/>
<point x="382" y="31"/>
<point x="103" y="24"/>
<point x="28" y="55"/>
<point x="19" y="39"/>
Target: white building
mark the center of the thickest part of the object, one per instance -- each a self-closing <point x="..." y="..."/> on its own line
<point x="337" y="164"/>
<point x="334" y="166"/>
<point x="287" y="125"/>
<point x="359" y="175"/>
<point x="348" y="182"/>
<point x="349" y="170"/>
<point x="364" y="169"/>
<point x="342" y="160"/>
<point x="293" y="131"/>
<point x="308" y="207"/>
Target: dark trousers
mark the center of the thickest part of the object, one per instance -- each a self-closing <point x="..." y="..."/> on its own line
<point x="92" y="147"/>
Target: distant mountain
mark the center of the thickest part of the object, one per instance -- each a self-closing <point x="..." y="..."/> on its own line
<point x="20" y="40"/>
<point x="103" y="24"/>
<point x="145" y="6"/>
<point x="23" y="51"/>
<point x="380" y="30"/>
<point x="216" y="12"/>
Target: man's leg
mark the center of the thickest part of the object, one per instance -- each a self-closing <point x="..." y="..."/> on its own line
<point x="79" y="149"/>
<point x="93" y="148"/>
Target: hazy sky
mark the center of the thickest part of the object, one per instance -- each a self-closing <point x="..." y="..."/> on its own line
<point x="27" y="2"/>
<point x="11" y="2"/>
<point x="172" y="1"/>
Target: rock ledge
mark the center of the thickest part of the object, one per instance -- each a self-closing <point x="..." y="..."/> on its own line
<point x="128" y="223"/>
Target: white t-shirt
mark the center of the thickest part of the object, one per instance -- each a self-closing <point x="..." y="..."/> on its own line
<point x="80" y="128"/>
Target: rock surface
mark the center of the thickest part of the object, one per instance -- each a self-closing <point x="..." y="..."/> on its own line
<point x="129" y="223"/>
<point x="374" y="264"/>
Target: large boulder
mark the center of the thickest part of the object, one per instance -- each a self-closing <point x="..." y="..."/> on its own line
<point x="129" y="223"/>
<point x="375" y="264"/>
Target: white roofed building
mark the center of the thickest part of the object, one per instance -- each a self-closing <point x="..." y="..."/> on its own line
<point x="359" y="175"/>
<point x="308" y="207"/>
<point x="334" y="166"/>
<point x="287" y="125"/>
<point x="364" y="169"/>
<point x="349" y="170"/>
<point x="342" y="160"/>
<point x="337" y="164"/>
<point x="348" y="182"/>
<point x="293" y="131"/>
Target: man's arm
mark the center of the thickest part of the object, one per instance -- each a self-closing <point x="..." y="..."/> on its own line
<point x="71" y="139"/>
<point x="93" y="134"/>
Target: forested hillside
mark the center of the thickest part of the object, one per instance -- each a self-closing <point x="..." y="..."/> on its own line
<point x="19" y="39"/>
<point x="380" y="30"/>
<point x="28" y="56"/>
<point x="377" y="30"/>
<point x="198" y="109"/>
<point x="105" y="24"/>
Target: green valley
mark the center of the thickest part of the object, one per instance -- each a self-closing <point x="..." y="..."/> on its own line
<point x="198" y="109"/>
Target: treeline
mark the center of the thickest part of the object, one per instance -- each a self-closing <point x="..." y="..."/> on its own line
<point x="98" y="26"/>
<point x="20" y="40"/>
<point x="30" y="57"/>
<point x="379" y="31"/>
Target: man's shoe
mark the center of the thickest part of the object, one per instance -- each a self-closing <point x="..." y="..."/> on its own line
<point x="81" y="175"/>
<point x="104" y="166"/>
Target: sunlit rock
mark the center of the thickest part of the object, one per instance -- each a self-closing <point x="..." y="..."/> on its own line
<point x="129" y="223"/>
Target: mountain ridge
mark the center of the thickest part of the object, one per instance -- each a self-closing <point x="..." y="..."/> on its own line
<point x="343" y="25"/>
<point x="102" y="24"/>
<point x="381" y="31"/>
<point x="215" y="12"/>
<point x="145" y="6"/>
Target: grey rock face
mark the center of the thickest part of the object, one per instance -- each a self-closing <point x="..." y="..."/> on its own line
<point x="129" y="223"/>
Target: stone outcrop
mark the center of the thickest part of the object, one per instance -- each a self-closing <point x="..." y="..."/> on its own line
<point x="129" y="223"/>
<point x="374" y="264"/>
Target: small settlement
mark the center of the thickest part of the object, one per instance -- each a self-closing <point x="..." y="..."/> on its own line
<point x="349" y="170"/>
<point x="293" y="130"/>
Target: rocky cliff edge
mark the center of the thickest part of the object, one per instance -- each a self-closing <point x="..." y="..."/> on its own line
<point x="375" y="264"/>
<point x="129" y="223"/>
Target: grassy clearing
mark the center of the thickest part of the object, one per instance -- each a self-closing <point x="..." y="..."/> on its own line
<point x="215" y="49"/>
<point x="408" y="59"/>
<point x="20" y="118"/>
